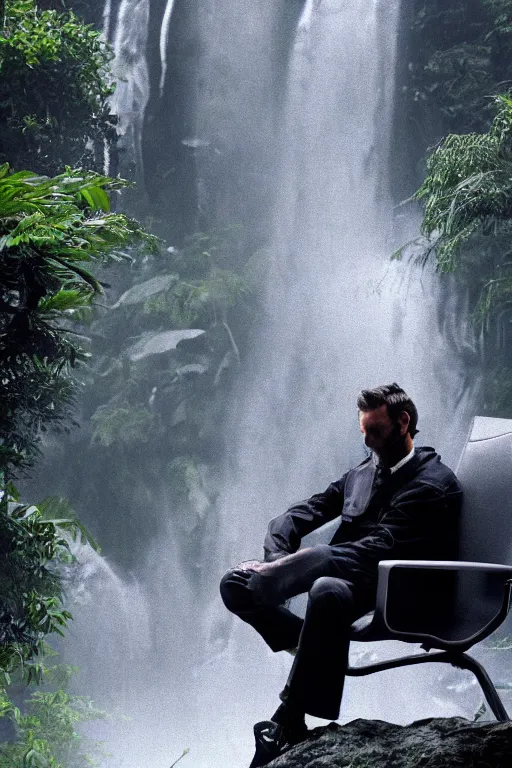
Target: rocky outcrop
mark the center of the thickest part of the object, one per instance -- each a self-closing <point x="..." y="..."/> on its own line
<point x="433" y="743"/>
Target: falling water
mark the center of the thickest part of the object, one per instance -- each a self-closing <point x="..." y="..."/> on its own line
<point x="105" y="605"/>
<point x="339" y="316"/>
<point x="130" y="71"/>
<point x="307" y="15"/>
<point x="164" y="37"/>
<point x="107" y="12"/>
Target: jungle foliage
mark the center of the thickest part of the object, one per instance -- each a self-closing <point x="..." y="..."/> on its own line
<point x="54" y="89"/>
<point x="467" y="196"/>
<point x="55" y="230"/>
<point x="460" y="56"/>
<point x="46" y="733"/>
<point x="176" y="331"/>
<point x="52" y="232"/>
<point x="35" y="543"/>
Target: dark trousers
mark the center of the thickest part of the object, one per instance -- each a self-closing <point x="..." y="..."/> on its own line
<point x="315" y="683"/>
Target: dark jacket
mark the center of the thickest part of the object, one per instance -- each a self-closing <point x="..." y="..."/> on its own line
<point x="411" y="514"/>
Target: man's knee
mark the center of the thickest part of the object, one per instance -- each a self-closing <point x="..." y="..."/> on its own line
<point x="332" y="590"/>
<point x="236" y="592"/>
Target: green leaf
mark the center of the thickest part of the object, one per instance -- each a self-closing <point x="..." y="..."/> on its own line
<point x="65" y="300"/>
<point x="97" y="198"/>
<point x="34" y="759"/>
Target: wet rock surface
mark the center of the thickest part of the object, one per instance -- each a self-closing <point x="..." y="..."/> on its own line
<point x="433" y="743"/>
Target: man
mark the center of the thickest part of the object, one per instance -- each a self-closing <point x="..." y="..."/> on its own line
<point x="400" y="503"/>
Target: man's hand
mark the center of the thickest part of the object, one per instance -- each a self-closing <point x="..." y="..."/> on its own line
<point x="249" y="565"/>
<point x="261" y="566"/>
<point x="274" y="583"/>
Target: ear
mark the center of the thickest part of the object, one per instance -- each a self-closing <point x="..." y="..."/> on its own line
<point x="404" y="420"/>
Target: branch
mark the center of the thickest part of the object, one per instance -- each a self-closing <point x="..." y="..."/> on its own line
<point x="233" y="342"/>
<point x="185" y="752"/>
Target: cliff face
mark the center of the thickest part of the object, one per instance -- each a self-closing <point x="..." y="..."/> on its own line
<point x="433" y="743"/>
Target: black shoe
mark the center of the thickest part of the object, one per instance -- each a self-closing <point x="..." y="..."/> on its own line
<point x="270" y="739"/>
<point x="273" y="739"/>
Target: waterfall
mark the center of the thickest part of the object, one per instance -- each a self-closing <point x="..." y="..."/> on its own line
<point x="105" y="605"/>
<point x="164" y="36"/>
<point x="107" y="13"/>
<point x="339" y="317"/>
<point x="134" y="640"/>
<point x="130" y="70"/>
<point x="307" y="15"/>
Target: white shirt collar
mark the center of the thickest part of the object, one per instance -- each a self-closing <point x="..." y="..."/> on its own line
<point x="403" y="461"/>
<point x="400" y="464"/>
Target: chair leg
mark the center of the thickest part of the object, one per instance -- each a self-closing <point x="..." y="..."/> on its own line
<point x="460" y="660"/>
<point x="491" y="694"/>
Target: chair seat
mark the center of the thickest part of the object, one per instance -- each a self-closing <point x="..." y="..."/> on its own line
<point x="369" y="628"/>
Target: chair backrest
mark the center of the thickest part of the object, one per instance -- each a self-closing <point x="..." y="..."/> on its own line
<point x="485" y="473"/>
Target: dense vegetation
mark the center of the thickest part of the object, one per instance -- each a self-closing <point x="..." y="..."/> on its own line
<point x="468" y="197"/>
<point x="51" y="231"/>
<point x="55" y="231"/>
<point x="54" y="89"/>
<point x="460" y="57"/>
<point x="462" y="62"/>
<point x="45" y="731"/>
<point x="468" y="221"/>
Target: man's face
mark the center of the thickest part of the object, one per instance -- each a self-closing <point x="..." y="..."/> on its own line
<point x="381" y="434"/>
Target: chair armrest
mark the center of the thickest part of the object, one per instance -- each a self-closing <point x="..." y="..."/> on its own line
<point x="442" y="603"/>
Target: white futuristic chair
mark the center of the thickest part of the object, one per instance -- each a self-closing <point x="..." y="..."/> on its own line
<point x="449" y="606"/>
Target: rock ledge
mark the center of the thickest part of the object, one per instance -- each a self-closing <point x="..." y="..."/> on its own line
<point x="433" y="743"/>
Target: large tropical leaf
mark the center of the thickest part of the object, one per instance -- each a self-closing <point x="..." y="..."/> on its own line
<point x="159" y="343"/>
<point x="143" y="291"/>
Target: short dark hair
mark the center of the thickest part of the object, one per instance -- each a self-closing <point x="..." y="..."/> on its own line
<point x="396" y="400"/>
